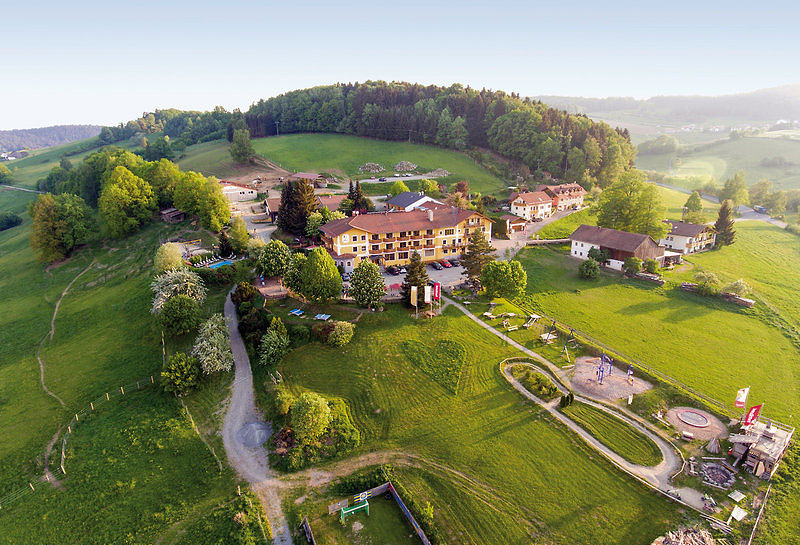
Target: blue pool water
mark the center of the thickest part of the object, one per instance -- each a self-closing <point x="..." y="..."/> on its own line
<point x="220" y="264"/>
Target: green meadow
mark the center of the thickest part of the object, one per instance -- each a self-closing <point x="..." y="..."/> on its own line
<point x="522" y="458"/>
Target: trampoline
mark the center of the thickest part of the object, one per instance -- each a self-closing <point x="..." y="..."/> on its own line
<point x="694" y="418"/>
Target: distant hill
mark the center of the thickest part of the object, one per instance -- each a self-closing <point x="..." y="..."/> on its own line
<point x="45" y="137"/>
<point x="757" y="107"/>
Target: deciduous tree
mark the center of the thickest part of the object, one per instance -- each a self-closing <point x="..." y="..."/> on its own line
<point x="397" y="188"/>
<point x="238" y="235"/>
<point x="589" y="269"/>
<point x="366" y="284"/>
<point x="310" y="417"/>
<point x="179" y="315"/>
<point x="168" y="256"/>
<point x="320" y="278"/>
<point x="126" y="203"/>
<point x="212" y="348"/>
<point x="241" y="148"/>
<point x="273" y="259"/>
<point x="630" y="204"/>
<point x="735" y="190"/>
<point x="180" y="374"/>
<point x="504" y="279"/>
<point x="174" y="282"/>
<point x="60" y="223"/>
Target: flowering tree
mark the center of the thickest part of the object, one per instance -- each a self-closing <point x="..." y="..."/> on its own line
<point x="212" y="348"/>
<point x="176" y="282"/>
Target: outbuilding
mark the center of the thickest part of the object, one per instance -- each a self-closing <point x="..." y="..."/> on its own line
<point x="620" y="245"/>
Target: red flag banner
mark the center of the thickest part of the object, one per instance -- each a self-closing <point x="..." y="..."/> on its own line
<point x="752" y="415"/>
<point x="437" y="291"/>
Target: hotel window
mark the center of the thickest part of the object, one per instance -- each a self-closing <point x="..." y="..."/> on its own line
<point x="403" y="233"/>
<point x="416" y="233"/>
<point x="429" y="253"/>
<point x="429" y="232"/>
<point x="389" y="246"/>
<point x="363" y="248"/>
<point x="403" y="244"/>
<point x="376" y="247"/>
<point x="402" y="255"/>
<point x="363" y="237"/>
<point x="416" y="243"/>
<point x="449" y="231"/>
<point x="374" y="237"/>
<point x="389" y="257"/>
<point x="355" y="249"/>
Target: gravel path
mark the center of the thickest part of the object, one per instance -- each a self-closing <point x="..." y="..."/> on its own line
<point x="658" y="477"/>
<point x="251" y="463"/>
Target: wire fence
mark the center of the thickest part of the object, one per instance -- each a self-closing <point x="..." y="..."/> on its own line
<point x="76" y="419"/>
<point x="587" y="339"/>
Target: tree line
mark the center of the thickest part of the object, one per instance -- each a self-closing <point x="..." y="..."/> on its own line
<point x="126" y="190"/>
<point x="568" y="146"/>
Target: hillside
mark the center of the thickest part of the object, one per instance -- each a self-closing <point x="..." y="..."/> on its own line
<point x="45" y="137"/>
<point x="760" y="106"/>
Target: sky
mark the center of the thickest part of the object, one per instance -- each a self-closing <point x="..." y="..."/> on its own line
<point x="90" y="62"/>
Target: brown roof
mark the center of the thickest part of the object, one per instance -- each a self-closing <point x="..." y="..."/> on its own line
<point x="394" y="222"/>
<point x="533" y="197"/>
<point x="306" y="175"/>
<point x="685" y="229"/>
<point x="610" y="238"/>
<point x="273" y="203"/>
<point x="331" y="201"/>
<point x="512" y="218"/>
<point x="560" y="189"/>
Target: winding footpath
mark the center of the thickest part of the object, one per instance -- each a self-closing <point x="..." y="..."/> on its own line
<point x="251" y="464"/>
<point x="657" y="477"/>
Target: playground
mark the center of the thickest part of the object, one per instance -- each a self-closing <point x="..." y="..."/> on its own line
<point x="616" y="383"/>
<point x="384" y="525"/>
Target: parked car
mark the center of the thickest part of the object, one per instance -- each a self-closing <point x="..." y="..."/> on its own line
<point x="436" y="265"/>
<point x="381" y="179"/>
<point x="455" y="262"/>
<point x="396" y="175"/>
<point x="446" y="264"/>
<point x="407" y="175"/>
<point x="346" y="277"/>
<point x="391" y="269"/>
<point x="537" y="219"/>
<point x="403" y="270"/>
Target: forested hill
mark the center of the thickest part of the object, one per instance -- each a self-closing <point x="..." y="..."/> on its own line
<point x="45" y="137"/>
<point x="570" y="147"/>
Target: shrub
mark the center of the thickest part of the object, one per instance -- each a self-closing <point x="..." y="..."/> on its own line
<point x="245" y="291"/>
<point x="739" y="287"/>
<point x="310" y="417"/>
<point x="299" y="335"/>
<point x="589" y="269"/>
<point x="168" y="256"/>
<point x="601" y="256"/>
<point x="180" y="374"/>
<point x="322" y="331"/>
<point x="283" y="401"/>
<point x="341" y="333"/>
<point x="632" y="265"/>
<point x="213" y="346"/>
<point x="707" y="283"/>
<point x="179" y="315"/>
<point x="9" y="220"/>
<point x="651" y="266"/>
<point x="274" y="346"/>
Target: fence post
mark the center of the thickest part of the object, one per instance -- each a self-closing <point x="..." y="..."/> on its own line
<point x="91" y="405"/>
<point x="107" y="398"/>
<point x="76" y="417"/>
<point x="151" y="379"/>
<point x="122" y="390"/>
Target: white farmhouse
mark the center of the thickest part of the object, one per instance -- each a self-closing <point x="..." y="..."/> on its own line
<point x="688" y="238"/>
<point x="238" y="192"/>
<point x="532" y="205"/>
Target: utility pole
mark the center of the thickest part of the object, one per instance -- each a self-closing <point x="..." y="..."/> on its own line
<point x="277" y="130"/>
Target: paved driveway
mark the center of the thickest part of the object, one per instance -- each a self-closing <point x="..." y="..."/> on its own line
<point x="446" y="277"/>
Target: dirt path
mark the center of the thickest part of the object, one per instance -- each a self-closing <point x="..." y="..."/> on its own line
<point x="49" y="336"/>
<point x="250" y="463"/>
<point x="657" y="477"/>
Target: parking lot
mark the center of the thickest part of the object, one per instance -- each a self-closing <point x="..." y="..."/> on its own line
<point x="446" y="277"/>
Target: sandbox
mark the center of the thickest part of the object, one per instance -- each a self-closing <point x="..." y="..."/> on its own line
<point x="584" y="380"/>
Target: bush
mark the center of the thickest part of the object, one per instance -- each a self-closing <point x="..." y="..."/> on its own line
<point x="283" y="401"/>
<point x="322" y="331"/>
<point x="632" y="265"/>
<point x="589" y="269"/>
<point x="180" y="374"/>
<point x="179" y="315"/>
<point x="601" y="256"/>
<point x="168" y="256"/>
<point x="310" y="417"/>
<point x="9" y="220"/>
<point x="274" y="346"/>
<point x="651" y="266"/>
<point x="341" y="333"/>
<point x="299" y="335"/>
<point x="245" y="291"/>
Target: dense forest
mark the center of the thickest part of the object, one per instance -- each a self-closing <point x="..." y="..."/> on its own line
<point x="45" y="137"/>
<point x="569" y="147"/>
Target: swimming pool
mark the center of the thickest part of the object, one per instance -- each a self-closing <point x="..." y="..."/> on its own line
<point x="220" y="264"/>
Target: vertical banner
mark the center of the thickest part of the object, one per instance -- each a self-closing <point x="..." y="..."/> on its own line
<point x="427" y="298"/>
<point x="752" y="415"/>
<point x="414" y="295"/>
<point x="741" y="397"/>
<point x="437" y="291"/>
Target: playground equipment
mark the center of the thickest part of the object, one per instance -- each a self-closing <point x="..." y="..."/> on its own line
<point x="531" y="320"/>
<point x="604" y="367"/>
<point x="347" y="511"/>
<point x="570" y="339"/>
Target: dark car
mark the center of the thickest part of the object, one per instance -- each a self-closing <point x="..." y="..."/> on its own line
<point x="381" y="179"/>
<point x="455" y="262"/>
<point x="403" y="270"/>
<point x="391" y="269"/>
<point x="436" y="265"/>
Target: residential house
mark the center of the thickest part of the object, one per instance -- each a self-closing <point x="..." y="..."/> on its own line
<point x="389" y="238"/>
<point x="331" y="201"/>
<point x="619" y="244"/>
<point x="565" y="196"/>
<point x="271" y="207"/>
<point x="532" y="205"/>
<point x="688" y="238"/>
<point x="409" y="200"/>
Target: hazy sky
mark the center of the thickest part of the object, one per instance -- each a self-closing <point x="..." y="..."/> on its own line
<point x="104" y="62"/>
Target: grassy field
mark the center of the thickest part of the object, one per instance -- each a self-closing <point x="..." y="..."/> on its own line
<point x="767" y="257"/>
<point x="722" y="160"/>
<point x="689" y="337"/>
<point x="343" y="154"/>
<point x="615" y="434"/>
<point x="210" y="158"/>
<point x="137" y="466"/>
<point x="525" y="461"/>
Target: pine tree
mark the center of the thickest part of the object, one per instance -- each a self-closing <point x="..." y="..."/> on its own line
<point x="287" y="207"/>
<point x="351" y="192"/>
<point x="306" y="204"/>
<point x="476" y="257"/>
<point x="415" y="276"/>
<point x="360" y="201"/>
<point x="724" y="224"/>
<point x="225" y="247"/>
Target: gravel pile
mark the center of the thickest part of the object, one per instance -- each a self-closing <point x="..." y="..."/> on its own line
<point x="370" y="167"/>
<point x="439" y="173"/>
<point x="405" y="166"/>
<point x="687" y="536"/>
